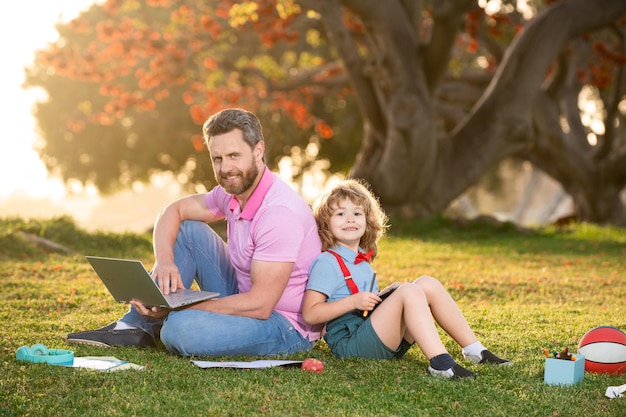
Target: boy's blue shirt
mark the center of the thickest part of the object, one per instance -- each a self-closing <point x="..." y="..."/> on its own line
<point x="325" y="274"/>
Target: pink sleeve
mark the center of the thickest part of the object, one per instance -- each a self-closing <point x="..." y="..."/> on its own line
<point x="217" y="201"/>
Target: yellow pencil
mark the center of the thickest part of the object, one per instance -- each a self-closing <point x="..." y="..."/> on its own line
<point x="371" y="289"/>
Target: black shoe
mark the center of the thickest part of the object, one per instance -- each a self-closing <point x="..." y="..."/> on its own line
<point x="489" y="358"/>
<point x="456" y="372"/>
<point x="106" y="336"/>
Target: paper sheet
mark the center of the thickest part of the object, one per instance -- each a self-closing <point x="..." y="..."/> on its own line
<point x="246" y="365"/>
<point x="614" y="392"/>
<point x="103" y="363"/>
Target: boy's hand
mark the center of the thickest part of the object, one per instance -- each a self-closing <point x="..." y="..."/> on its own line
<point x="365" y="301"/>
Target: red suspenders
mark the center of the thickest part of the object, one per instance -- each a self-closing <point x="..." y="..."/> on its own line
<point x="346" y="273"/>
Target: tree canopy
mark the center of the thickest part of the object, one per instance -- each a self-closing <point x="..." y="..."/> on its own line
<point x="421" y="99"/>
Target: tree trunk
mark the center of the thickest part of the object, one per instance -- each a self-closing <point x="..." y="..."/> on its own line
<point x="411" y="164"/>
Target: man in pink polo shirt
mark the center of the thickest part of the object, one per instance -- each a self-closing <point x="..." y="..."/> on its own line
<point x="261" y="274"/>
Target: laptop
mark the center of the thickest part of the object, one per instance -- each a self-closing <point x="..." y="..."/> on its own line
<point x="129" y="279"/>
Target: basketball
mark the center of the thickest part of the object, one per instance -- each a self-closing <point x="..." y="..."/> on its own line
<point x="604" y="348"/>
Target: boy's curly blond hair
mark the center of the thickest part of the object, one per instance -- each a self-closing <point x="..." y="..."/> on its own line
<point x="359" y="193"/>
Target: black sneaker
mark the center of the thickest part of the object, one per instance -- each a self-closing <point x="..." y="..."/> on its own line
<point x="487" y="357"/>
<point x="106" y="337"/>
<point x="456" y="372"/>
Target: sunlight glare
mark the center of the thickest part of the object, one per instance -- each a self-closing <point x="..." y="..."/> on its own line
<point x="592" y="113"/>
<point x="490" y="6"/>
<point x="482" y="62"/>
<point x="20" y="35"/>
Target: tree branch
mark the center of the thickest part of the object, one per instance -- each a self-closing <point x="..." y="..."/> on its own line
<point x="612" y="110"/>
<point x="447" y="16"/>
<point x="500" y="123"/>
<point x="568" y="99"/>
<point x="615" y="168"/>
<point x="331" y="10"/>
<point x="562" y="154"/>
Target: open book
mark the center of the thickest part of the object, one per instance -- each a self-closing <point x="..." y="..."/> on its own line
<point x="386" y="292"/>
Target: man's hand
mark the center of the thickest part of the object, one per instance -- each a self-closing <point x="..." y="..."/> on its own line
<point x="167" y="276"/>
<point x="153" y="312"/>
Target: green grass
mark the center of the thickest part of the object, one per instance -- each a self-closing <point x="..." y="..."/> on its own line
<point x="519" y="291"/>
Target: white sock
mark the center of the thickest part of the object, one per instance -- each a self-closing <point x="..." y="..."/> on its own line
<point x="120" y="325"/>
<point x="474" y="349"/>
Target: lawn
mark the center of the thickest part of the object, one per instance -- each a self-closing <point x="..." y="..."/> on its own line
<point x="521" y="291"/>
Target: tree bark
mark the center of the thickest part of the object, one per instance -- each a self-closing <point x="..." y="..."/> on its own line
<point x="411" y="164"/>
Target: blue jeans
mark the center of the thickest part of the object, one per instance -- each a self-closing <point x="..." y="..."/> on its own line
<point x="201" y="255"/>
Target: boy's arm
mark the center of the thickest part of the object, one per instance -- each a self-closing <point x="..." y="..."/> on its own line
<point x="315" y="309"/>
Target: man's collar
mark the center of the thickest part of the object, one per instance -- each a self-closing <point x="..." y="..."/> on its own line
<point x="256" y="198"/>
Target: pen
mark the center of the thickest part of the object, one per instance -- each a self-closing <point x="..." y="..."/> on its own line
<point x="371" y="289"/>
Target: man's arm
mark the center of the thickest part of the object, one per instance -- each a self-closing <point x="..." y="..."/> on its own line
<point x="269" y="280"/>
<point x="165" y="231"/>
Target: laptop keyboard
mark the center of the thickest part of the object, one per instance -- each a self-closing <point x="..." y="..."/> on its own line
<point x="184" y="297"/>
<point x="177" y="297"/>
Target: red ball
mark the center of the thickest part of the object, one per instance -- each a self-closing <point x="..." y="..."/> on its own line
<point x="604" y="349"/>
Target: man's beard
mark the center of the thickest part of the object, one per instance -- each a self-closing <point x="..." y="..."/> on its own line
<point x="247" y="180"/>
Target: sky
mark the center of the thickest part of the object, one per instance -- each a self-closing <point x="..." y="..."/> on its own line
<point x="26" y="190"/>
<point x="28" y="25"/>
